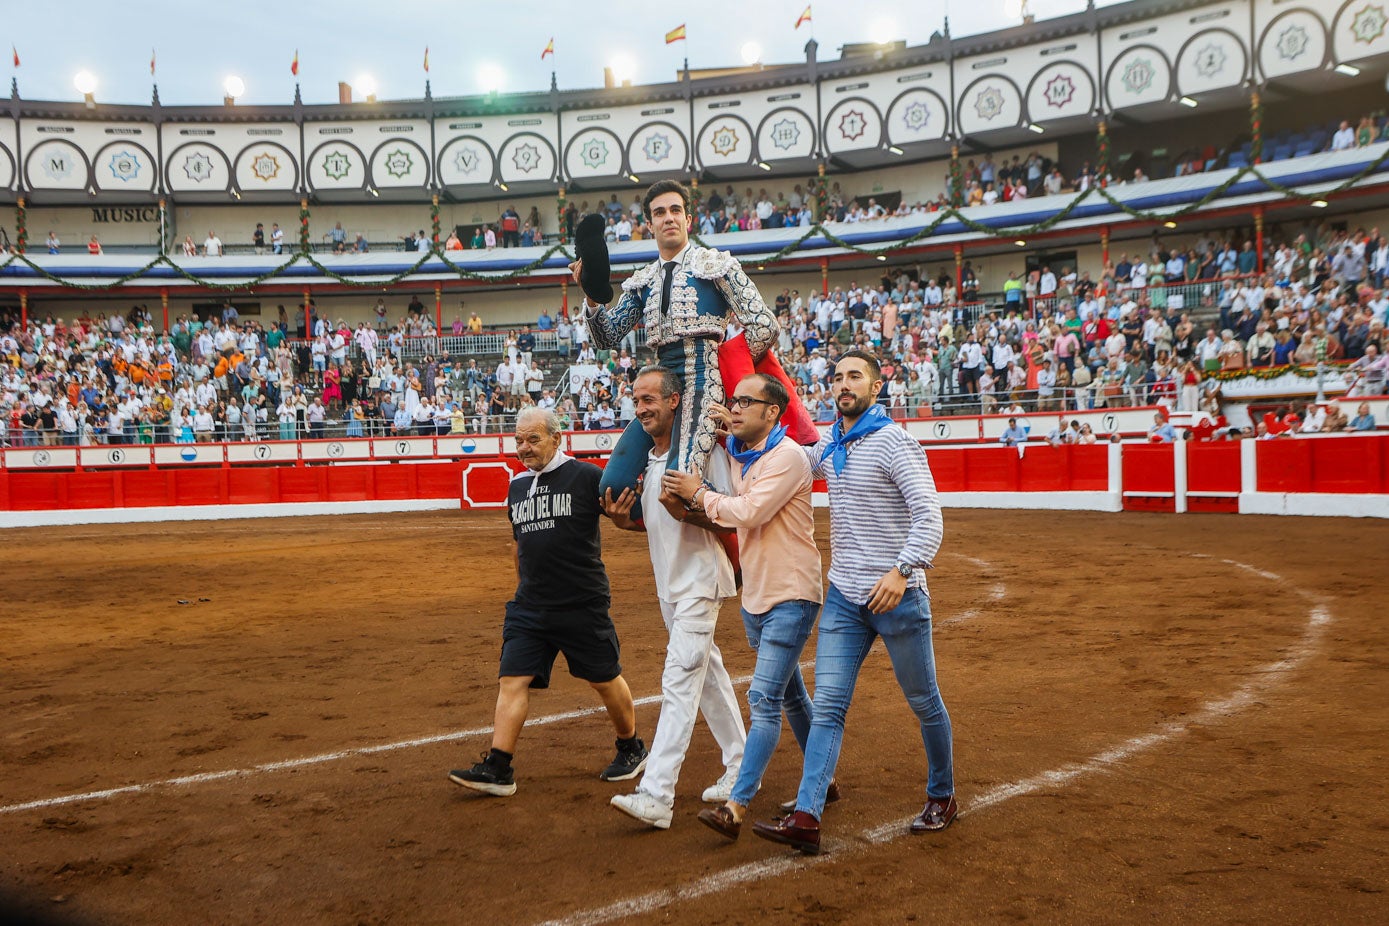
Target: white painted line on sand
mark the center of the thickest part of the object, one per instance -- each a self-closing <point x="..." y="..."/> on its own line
<point x="1318" y="619"/>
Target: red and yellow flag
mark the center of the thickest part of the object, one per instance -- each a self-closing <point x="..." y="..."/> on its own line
<point x="294" y="65"/>
<point x="426" y="59"/>
<point x="16" y="55"/>
<point x="676" y="35"/>
<point x="549" y="49"/>
<point x="805" y="17"/>
<point x="151" y="62"/>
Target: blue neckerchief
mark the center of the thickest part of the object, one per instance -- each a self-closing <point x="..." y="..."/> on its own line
<point x="749" y="457"/>
<point x="872" y="420"/>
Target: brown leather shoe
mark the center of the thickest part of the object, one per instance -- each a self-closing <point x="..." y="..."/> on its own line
<point x="720" y="820"/>
<point x="798" y="830"/>
<point x="832" y="794"/>
<point x="938" y="813"/>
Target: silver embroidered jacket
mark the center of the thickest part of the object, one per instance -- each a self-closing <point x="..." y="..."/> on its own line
<point x="707" y="285"/>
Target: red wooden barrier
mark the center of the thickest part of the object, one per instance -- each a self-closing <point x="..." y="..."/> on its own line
<point x="1148" y="480"/>
<point x="1213" y="476"/>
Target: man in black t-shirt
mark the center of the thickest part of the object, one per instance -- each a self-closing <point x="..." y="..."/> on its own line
<point x="560" y="606"/>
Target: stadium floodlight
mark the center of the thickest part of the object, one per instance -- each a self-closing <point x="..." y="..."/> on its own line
<point x="882" y="31"/>
<point x="85" y="82"/>
<point x="1189" y="102"/>
<point x="752" y="53"/>
<point x="1319" y="204"/>
<point x="1020" y="243"/>
<point x="490" y="77"/>
<point x="366" y="84"/>
<point x="1169" y="224"/>
<point x="764" y="165"/>
<point x="1034" y="127"/>
<point x="1349" y="70"/>
<point x="234" y="87"/>
<point x="623" y="67"/>
<point x="893" y="149"/>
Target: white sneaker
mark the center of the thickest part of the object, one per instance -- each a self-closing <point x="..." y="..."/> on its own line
<point x="720" y="791"/>
<point x="642" y="806"/>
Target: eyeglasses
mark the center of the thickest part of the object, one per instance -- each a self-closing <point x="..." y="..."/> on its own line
<point x="745" y="401"/>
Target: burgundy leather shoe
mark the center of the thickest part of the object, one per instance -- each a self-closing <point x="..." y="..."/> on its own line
<point x="720" y="820"/>
<point x="798" y="830"/>
<point x="832" y="794"/>
<point x="938" y="813"/>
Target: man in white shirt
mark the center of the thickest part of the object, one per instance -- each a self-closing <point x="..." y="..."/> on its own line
<point x="212" y="247"/>
<point x="693" y="575"/>
<point x="1344" y="139"/>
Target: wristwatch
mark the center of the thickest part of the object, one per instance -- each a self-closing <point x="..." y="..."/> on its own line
<point x="904" y="570"/>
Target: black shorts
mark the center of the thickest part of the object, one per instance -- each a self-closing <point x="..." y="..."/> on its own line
<point x="532" y="639"/>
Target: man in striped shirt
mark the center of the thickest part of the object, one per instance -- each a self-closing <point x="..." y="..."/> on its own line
<point x="885" y="530"/>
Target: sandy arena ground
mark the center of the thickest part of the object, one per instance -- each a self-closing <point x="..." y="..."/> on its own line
<point x="1157" y="718"/>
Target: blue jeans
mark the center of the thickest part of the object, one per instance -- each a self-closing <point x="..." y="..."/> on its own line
<point x="847" y="631"/>
<point x="778" y="636"/>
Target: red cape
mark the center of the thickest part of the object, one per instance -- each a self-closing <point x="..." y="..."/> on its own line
<point x="735" y="362"/>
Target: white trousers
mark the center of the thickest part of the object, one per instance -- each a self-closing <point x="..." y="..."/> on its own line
<point x="694" y="681"/>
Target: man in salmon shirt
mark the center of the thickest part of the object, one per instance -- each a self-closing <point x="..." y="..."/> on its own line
<point x="782" y="587"/>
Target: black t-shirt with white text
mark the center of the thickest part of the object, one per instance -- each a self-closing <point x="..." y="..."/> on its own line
<point x="557" y="538"/>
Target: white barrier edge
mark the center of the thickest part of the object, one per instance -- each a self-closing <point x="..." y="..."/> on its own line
<point x="67" y="516"/>
<point x="1315" y="504"/>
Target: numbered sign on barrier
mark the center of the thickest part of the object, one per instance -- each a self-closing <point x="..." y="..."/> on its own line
<point x="469" y="445"/>
<point x="398" y="448"/>
<point x="263" y="452"/>
<point x="40" y="457"/>
<point x="172" y="454"/>
<point x="330" y="450"/>
<point x="121" y="455"/>
<point x="589" y="441"/>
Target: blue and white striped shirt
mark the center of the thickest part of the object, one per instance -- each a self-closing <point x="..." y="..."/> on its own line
<point x="884" y="510"/>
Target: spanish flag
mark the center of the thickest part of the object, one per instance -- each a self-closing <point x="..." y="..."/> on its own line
<point x="426" y="59"/>
<point x="676" y="35"/>
<point x="549" y="49"/>
<point x="294" y="65"/>
<point x="151" y="62"/>
<point x="805" y="17"/>
<point x="16" y="55"/>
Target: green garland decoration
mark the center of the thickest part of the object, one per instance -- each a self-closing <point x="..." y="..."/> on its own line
<point x="817" y="229"/>
<point x="304" y="228"/>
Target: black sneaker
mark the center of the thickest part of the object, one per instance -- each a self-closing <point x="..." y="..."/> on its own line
<point x="628" y="763"/>
<point x="486" y="778"/>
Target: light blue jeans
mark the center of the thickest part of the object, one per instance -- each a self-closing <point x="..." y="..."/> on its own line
<point x="847" y="632"/>
<point x="778" y="636"/>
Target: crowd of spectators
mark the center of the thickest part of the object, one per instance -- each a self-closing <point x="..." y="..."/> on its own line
<point x="1161" y="329"/>
<point x="1064" y="341"/>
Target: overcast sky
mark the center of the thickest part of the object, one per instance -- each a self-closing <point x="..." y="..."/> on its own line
<point x="199" y="44"/>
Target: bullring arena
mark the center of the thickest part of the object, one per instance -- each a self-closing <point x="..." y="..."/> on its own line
<point x="1157" y="717"/>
